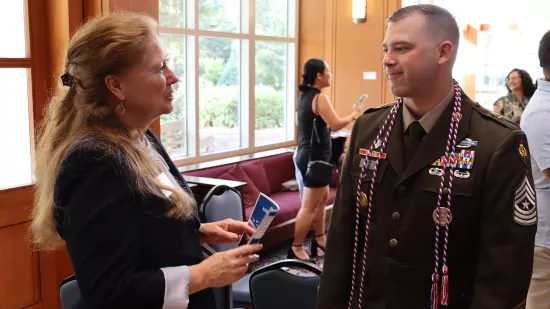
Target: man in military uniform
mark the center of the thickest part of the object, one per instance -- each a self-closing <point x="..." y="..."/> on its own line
<point x="436" y="205"/>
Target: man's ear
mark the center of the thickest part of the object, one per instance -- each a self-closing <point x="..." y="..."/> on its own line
<point x="445" y="52"/>
<point x="113" y="84"/>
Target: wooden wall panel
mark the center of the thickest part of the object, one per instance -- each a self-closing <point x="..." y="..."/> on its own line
<point x="15" y="206"/>
<point x="18" y="268"/>
<point x="358" y="50"/>
<point x="144" y="6"/>
<point x="311" y="32"/>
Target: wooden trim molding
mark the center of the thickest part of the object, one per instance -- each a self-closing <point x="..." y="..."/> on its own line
<point x="390" y="6"/>
<point x="16" y="62"/>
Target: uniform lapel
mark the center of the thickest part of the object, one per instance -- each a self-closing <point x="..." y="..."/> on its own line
<point x="394" y="148"/>
<point x="433" y="145"/>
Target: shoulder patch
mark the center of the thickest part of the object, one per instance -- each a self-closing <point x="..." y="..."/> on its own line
<point x="487" y="114"/>
<point x="383" y="106"/>
<point x="525" y="207"/>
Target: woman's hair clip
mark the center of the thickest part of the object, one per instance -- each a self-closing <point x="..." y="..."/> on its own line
<point x="67" y="80"/>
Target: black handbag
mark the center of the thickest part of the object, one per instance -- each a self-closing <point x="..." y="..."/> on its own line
<point x="319" y="173"/>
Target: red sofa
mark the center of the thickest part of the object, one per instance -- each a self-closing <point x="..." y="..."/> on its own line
<point x="266" y="175"/>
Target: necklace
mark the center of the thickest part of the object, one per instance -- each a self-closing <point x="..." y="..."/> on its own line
<point x="442" y="215"/>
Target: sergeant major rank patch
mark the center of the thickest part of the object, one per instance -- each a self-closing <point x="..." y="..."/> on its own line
<point x="525" y="208"/>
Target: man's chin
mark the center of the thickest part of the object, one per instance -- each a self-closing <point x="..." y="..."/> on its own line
<point x="398" y="91"/>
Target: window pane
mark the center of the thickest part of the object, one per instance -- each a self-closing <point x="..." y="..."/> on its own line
<point x="174" y="127"/>
<point x="270" y="92"/>
<point x="172" y="13"/>
<point x="272" y="17"/>
<point x="219" y="76"/>
<point x="15" y="164"/>
<point x="12" y="29"/>
<point x="219" y="15"/>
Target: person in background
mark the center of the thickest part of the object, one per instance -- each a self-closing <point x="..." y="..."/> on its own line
<point x="435" y="205"/>
<point x="535" y="122"/>
<point x="107" y="188"/>
<point x="520" y="90"/>
<point x="314" y="104"/>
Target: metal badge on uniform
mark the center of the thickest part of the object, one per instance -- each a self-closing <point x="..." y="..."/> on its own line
<point x="435" y="171"/>
<point x="363" y="200"/>
<point x="525" y="207"/>
<point x="467" y="143"/>
<point x="370" y="164"/>
<point x="378" y="143"/>
<point x="522" y="149"/>
<point x="445" y="216"/>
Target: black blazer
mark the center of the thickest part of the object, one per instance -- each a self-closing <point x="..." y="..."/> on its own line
<point x="117" y="239"/>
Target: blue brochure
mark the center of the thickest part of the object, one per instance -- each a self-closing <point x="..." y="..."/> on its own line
<point x="260" y="219"/>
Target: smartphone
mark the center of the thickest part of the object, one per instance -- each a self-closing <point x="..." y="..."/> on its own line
<point x="361" y="99"/>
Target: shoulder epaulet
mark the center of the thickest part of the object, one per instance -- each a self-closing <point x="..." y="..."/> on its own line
<point x="383" y="106"/>
<point x="489" y="114"/>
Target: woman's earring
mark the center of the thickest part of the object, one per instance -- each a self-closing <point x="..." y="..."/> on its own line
<point x="120" y="109"/>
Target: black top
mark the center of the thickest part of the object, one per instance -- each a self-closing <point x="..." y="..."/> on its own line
<point x="117" y="239"/>
<point x="306" y="148"/>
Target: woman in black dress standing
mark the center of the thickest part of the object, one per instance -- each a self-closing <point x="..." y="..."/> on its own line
<point x="314" y="104"/>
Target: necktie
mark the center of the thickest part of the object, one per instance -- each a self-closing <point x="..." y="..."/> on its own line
<point x="413" y="137"/>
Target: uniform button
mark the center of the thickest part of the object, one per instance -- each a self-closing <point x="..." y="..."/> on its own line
<point x="395" y="216"/>
<point x="393" y="243"/>
<point x="401" y="189"/>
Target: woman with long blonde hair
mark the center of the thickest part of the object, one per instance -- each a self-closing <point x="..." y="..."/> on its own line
<point x="107" y="188"/>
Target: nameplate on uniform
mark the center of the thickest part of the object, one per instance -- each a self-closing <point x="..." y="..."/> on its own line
<point x="374" y="154"/>
<point x="463" y="160"/>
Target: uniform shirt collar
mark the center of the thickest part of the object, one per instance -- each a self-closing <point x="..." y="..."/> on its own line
<point x="428" y="121"/>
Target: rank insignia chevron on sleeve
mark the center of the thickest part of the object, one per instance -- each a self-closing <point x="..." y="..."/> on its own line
<point x="525" y="208"/>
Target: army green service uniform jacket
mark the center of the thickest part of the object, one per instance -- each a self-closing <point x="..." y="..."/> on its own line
<point x="491" y="235"/>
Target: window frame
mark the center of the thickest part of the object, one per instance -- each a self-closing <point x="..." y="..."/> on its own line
<point x="28" y="63"/>
<point x="247" y="38"/>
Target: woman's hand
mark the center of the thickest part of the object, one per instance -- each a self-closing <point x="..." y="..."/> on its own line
<point x="222" y="268"/>
<point x="224" y="231"/>
<point x="357" y="111"/>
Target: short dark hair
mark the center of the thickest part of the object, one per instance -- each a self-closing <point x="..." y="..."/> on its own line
<point x="544" y="51"/>
<point x="439" y="17"/>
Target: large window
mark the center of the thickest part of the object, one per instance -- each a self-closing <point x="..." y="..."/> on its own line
<point x="236" y="61"/>
<point x="507" y="37"/>
<point x="15" y="123"/>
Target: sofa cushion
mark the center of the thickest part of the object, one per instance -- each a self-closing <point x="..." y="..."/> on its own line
<point x="256" y="172"/>
<point x="289" y="202"/>
<point x="250" y="191"/>
<point x="279" y="168"/>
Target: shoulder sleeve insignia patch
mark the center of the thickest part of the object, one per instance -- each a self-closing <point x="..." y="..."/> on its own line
<point x="525" y="207"/>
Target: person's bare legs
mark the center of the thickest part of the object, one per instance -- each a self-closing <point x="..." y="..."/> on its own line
<point x="310" y="201"/>
<point x="319" y="219"/>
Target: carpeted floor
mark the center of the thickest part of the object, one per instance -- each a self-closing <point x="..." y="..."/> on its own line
<point x="279" y="252"/>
